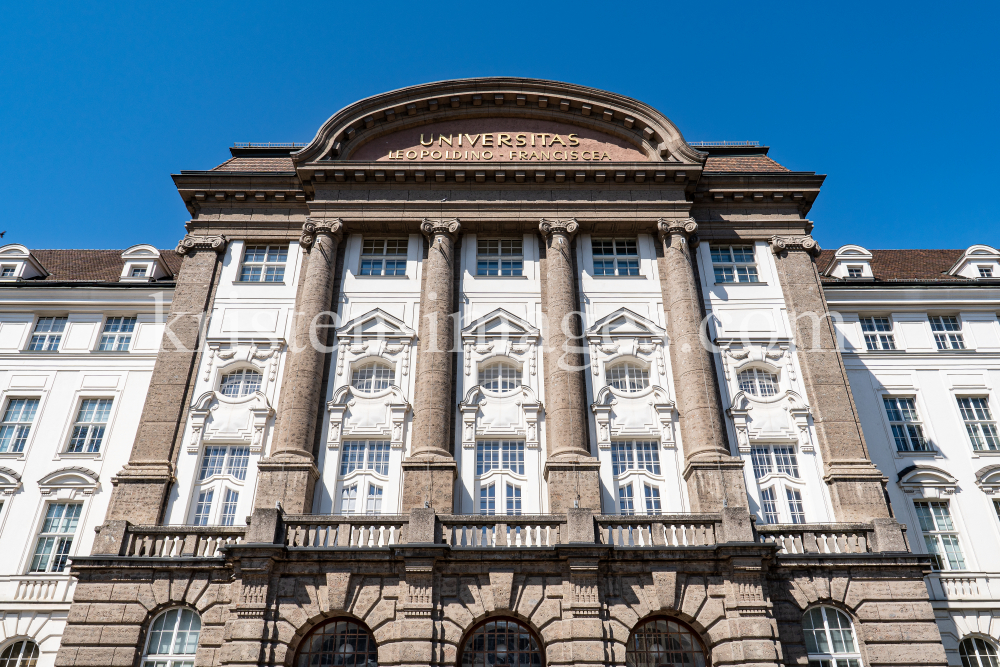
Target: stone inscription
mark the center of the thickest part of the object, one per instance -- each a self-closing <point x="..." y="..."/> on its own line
<point x="540" y="146"/>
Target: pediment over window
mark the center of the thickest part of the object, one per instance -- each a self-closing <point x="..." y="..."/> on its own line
<point x="375" y="325"/>
<point x="223" y="419"/>
<point x="648" y="413"/>
<point x="10" y="481"/>
<point x="67" y="482"/>
<point x="988" y="479"/>
<point x="355" y="414"/>
<point x="926" y="481"/>
<point x="514" y="414"/>
<point x="850" y="261"/>
<point x="974" y="260"/>
<point x="500" y="324"/>
<point x="18" y="264"/>
<point x="783" y="417"/>
<point x="623" y="323"/>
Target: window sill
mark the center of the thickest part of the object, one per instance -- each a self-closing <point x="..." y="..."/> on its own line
<point x="985" y="452"/>
<point x="883" y="351"/>
<point x="15" y="455"/>
<point x="758" y="284"/>
<point x="258" y="282"/>
<point x="480" y="277"/>
<point x="627" y="276"/>
<point x="79" y="455"/>
<point x="111" y="352"/>
<point x="931" y="453"/>
<point x="965" y="350"/>
<point x="42" y="352"/>
<point x="360" y="276"/>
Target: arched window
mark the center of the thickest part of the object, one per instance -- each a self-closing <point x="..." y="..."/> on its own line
<point x="757" y="382"/>
<point x="372" y="377"/>
<point x="664" y="642"/>
<point x="339" y="642"/>
<point x="173" y="639"/>
<point x="628" y="376"/>
<point x="976" y="652"/>
<point x="23" y="653"/>
<point x="500" y="377"/>
<point x="240" y="383"/>
<point x="830" y="638"/>
<point x="502" y="642"/>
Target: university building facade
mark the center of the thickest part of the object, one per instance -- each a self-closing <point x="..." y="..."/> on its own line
<point x="499" y="371"/>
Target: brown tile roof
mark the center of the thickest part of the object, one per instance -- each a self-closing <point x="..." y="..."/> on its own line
<point x="92" y="265"/>
<point x="738" y="163"/>
<point x="256" y="164"/>
<point x="916" y="265"/>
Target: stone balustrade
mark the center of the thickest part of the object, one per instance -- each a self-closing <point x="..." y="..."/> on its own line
<point x="963" y="585"/>
<point x="312" y="530"/>
<point x="666" y="530"/>
<point x="180" y="541"/>
<point x="478" y="531"/>
<point x="827" y="538"/>
<point x="37" y="588"/>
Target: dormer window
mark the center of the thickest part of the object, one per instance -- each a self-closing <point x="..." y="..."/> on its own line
<point x="137" y="272"/>
<point x="985" y="271"/>
<point x="8" y="271"/>
<point x="143" y="263"/>
<point x="854" y="271"/>
<point x="240" y="383"/>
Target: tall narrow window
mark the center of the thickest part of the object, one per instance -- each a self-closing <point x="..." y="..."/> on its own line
<point x="500" y="377"/>
<point x="240" y="383"/>
<point x="652" y="494"/>
<point x="940" y="535"/>
<point x="757" y="382"/>
<point x="734" y="264"/>
<point x="830" y="638"/>
<point x="372" y="377"/>
<point x="499" y="257"/>
<point x="16" y="426"/>
<point x="348" y="498"/>
<point x="769" y="505"/>
<point x="55" y="539"/>
<point x="173" y="639"/>
<point x="905" y="425"/>
<point x="615" y="257"/>
<point x="229" y="502"/>
<point x="203" y="508"/>
<point x="947" y="332"/>
<point x="795" y="508"/>
<point x="91" y="421"/>
<point x="488" y="499"/>
<point x="878" y="333"/>
<point x="373" y="504"/>
<point x="626" y="499"/>
<point x="513" y="498"/>
<point x="628" y="377"/>
<point x="48" y="333"/>
<point x="263" y="263"/>
<point x="979" y="423"/>
<point x="383" y="257"/>
<point x="976" y="652"/>
<point x="117" y="334"/>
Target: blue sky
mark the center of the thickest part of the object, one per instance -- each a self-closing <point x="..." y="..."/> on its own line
<point x="896" y="102"/>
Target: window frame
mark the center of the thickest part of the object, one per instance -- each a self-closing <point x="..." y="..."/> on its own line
<point x="487" y="366"/>
<point x="640" y="636"/>
<point x="982" y="424"/>
<point x="48" y="335"/>
<point x="939" y="555"/>
<point x="220" y="483"/>
<point x="171" y="659"/>
<point x="500" y="257"/>
<point x="988" y="642"/>
<point x="520" y="627"/>
<point x="879" y="338"/>
<point x="945" y="338"/>
<point x="616" y="258"/>
<point x="630" y="464"/>
<point x="366" y="362"/>
<point x="58" y="536"/>
<point x="510" y="470"/>
<point x="77" y="423"/>
<point x="832" y="657"/>
<point x="383" y="257"/>
<point x="759" y="375"/>
<point x="905" y="424"/>
<point x="752" y="273"/>
<point x="116" y="337"/>
<point x="632" y="364"/>
<point x="304" y="654"/>
<point x="985" y="270"/>
<point x="243" y="371"/>
<point x="27" y="437"/>
<point x="20" y="660"/>
<point x="264" y="264"/>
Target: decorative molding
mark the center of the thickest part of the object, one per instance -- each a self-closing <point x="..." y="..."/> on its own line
<point x="482" y="415"/>
<point x="918" y="480"/>
<point x="379" y="415"/>
<point x="314" y="226"/>
<point x="567" y="227"/>
<point x="781" y="418"/>
<point x="10" y="481"/>
<point x="433" y="227"/>
<point x="193" y="242"/>
<point x="647" y="415"/>
<point x="987" y="479"/>
<point x="218" y="418"/>
<point x="807" y="244"/>
<point x="666" y="227"/>
<point x="72" y="480"/>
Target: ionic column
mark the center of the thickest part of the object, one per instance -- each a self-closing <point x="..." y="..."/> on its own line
<point x="572" y="473"/>
<point x="714" y="477"/>
<point x="289" y="474"/>
<point x="855" y="482"/>
<point x="141" y="487"/>
<point x="429" y="472"/>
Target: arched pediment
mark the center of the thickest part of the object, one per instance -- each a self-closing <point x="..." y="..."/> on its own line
<point x="375" y="324"/>
<point x="10" y="481"/>
<point x="624" y="323"/>
<point x="988" y="479"/>
<point x="782" y="418"/>
<point x="347" y="393"/>
<point x="229" y="419"/>
<point x="355" y="414"/>
<point x="373" y="128"/>
<point x="500" y="324"/>
<point x="72" y="479"/>
<point x="511" y="414"/>
<point x="919" y="479"/>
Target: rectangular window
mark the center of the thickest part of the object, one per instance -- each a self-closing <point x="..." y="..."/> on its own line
<point x="652" y="499"/>
<point x="855" y="272"/>
<point x="203" y="508"/>
<point x="905" y="425"/>
<point x="499" y="455"/>
<point x="232" y="460"/>
<point x="488" y="499"/>
<point x="355" y="458"/>
<point x="229" y="501"/>
<point x="513" y="500"/>
<point x="985" y="271"/>
<point x="774" y="458"/>
<point x="940" y="536"/>
<point x="348" y="498"/>
<point x="56" y="537"/>
<point x="635" y="455"/>
<point x="795" y="508"/>
<point x="626" y="501"/>
<point x="979" y="423"/>
<point x="996" y="508"/>
<point x="374" y="503"/>
<point x="117" y="334"/>
<point x="263" y="263"/>
<point x="734" y="264"/>
<point x="91" y="421"/>
<point x="7" y="271"/>
<point x="769" y="505"/>
<point x="615" y="257"/>
<point x="383" y="257"/>
<point x="16" y="426"/>
<point x="947" y="332"/>
<point x="499" y="257"/>
<point x="878" y="333"/>
<point x="47" y="334"/>
<point x="138" y="272"/>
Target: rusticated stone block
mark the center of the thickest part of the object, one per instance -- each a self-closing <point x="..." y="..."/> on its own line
<point x="120" y="635"/>
<point x="87" y="591"/>
<point x="134" y="613"/>
<point x="81" y="634"/>
<point x="106" y="612"/>
<point x="95" y="656"/>
<point x="907" y="654"/>
<point x="66" y="657"/>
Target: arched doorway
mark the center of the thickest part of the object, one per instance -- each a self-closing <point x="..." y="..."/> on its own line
<point x="338" y="642"/>
<point x="665" y="642"/>
<point x="501" y="642"/>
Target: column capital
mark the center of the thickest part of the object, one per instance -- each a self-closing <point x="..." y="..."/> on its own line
<point x="568" y="227"/>
<point x="193" y="242"/>
<point x="808" y="244"/>
<point x="669" y="226"/>
<point x="432" y="227"/>
<point x="314" y="226"/>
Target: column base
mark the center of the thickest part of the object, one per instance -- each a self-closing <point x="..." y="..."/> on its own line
<point x="429" y="482"/>
<point x="716" y="483"/>
<point x="288" y="479"/>
<point x="857" y="490"/>
<point x="140" y="493"/>
<point x="573" y="483"/>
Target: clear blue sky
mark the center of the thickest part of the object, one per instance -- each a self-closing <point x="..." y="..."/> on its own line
<point x="896" y="102"/>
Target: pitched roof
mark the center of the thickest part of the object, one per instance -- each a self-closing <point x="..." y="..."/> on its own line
<point x="257" y="164"/>
<point x="92" y="265"/>
<point x="905" y="265"/>
<point x="759" y="164"/>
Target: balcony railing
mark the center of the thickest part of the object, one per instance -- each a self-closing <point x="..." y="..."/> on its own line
<point x="667" y="530"/>
<point x="311" y="530"/>
<point x="37" y="588"/>
<point x="178" y="541"/>
<point x="832" y="538"/>
<point x="476" y="530"/>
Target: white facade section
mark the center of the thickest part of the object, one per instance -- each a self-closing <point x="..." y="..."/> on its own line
<point x="927" y="408"/>
<point x="70" y="411"/>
